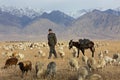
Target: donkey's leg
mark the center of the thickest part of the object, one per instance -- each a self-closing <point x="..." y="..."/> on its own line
<point x="92" y="50"/>
<point x="83" y="51"/>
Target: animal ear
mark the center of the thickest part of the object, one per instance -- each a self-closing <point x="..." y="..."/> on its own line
<point x="18" y="63"/>
<point x="71" y="40"/>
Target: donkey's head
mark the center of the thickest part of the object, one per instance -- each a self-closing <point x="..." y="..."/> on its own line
<point x="70" y="44"/>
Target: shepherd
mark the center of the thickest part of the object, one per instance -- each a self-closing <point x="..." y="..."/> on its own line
<point x="52" y="40"/>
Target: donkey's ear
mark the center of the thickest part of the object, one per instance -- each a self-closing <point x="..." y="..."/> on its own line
<point x="71" y="40"/>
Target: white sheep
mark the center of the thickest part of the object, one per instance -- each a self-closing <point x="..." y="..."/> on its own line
<point x="108" y="60"/>
<point x="4" y="53"/>
<point x="106" y="52"/>
<point x="7" y="54"/>
<point x="82" y="72"/>
<point x="73" y="63"/>
<point x="74" y="52"/>
<point x="60" y="48"/>
<point x="61" y="52"/>
<point x="100" y="55"/>
<point x="39" y="67"/>
<point x="94" y="77"/>
<point x="41" y="54"/>
<point x="20" y="56"/>
<point x="84" y="59"/>
<point x="101" y="63"/>
<point x="91" y="63"/>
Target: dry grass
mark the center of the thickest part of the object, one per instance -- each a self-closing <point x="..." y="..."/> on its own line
<point x="110" y="72"/>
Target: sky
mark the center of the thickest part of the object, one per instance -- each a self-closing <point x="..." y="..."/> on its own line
<point x="62" y="5"/>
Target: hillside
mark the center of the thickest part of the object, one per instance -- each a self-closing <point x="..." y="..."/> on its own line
<point x="95" y="24"/>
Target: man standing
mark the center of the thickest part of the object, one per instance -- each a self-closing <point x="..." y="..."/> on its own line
<point x="52" y="40"/>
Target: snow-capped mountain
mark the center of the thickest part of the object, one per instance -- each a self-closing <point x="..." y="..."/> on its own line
<point x="29" y="24"/>
<point x="79" y="13"/>
<point x="32" y="13"/>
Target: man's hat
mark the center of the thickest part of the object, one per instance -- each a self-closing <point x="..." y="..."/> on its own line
<point x="50" y="30"/>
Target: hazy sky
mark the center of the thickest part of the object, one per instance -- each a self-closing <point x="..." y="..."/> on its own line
<point x="63" y="5"/>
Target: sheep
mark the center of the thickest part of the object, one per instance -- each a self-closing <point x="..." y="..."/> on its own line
<point x="74" y="52"/>
<point x="10" y="62"/>
<point x="39" y="69"/>
<point x="9" y="54"/>
<point x="101" y="63"/>
<point x="20" y="56"/>
<point x="91" y="63"/>
<point x="60" y="48"/>
<point x="25" y="66"/>
<point x="61" y="53"/>
<point x="94" y="77"/>
<point x="4" y="54"/>
<point x="84" y="59"/>
<point x="116" y="57"/>
<point x="106" y="52"/>
<point x="108" y="60"/>
<point x="14" y="54"/>
<point x="82" y="72"/>
<point x="100" y="55"/>
<point x="41" y="54"/>
<point x="51" y="69"/>
<point x="73" y="63"/>
<point x="44" y="44"/>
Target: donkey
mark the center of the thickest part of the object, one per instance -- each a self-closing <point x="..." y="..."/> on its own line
<point x="82" y="45"/>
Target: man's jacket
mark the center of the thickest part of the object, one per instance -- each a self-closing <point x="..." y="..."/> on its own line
<point x="52" y="40"/>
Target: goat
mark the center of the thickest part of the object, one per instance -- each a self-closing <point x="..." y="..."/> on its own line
<point x="10" y="62"/>
<point x="25" y="66"/>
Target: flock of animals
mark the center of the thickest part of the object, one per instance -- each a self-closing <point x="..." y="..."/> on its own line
<point x="84" y="72"/>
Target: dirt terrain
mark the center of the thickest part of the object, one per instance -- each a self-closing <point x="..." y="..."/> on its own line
<point x="110" y="72"/>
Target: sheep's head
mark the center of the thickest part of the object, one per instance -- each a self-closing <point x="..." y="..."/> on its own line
<point x="20" y="64"/>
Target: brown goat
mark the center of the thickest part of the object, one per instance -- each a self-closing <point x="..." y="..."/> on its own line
<point x="25" y="66"/>
<point x="10" y="62"/>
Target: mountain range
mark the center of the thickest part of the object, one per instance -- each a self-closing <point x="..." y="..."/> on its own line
<point x="19" y="24"/>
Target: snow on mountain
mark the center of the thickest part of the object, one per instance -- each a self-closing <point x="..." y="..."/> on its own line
<point x="32" y="13"/>
<point x="78" y="13"/>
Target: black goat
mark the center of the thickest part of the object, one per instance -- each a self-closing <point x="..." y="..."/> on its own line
<point x="25" y="66"/>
